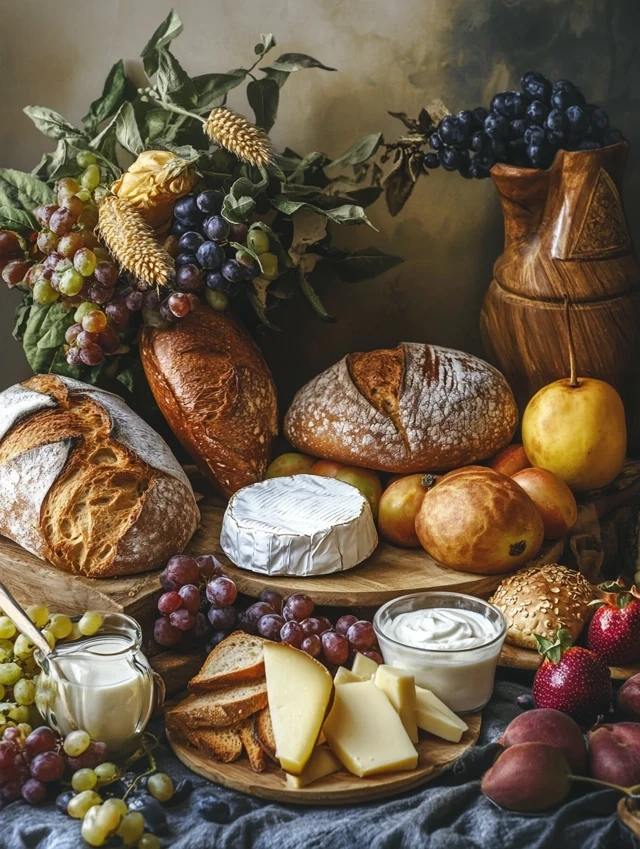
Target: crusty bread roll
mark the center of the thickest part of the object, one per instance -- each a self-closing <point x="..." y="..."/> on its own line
<point x="86" y="484"/>
<point x="408" y="409"/>
<point x="216" y="392"/>
<point x="541" y="600"/>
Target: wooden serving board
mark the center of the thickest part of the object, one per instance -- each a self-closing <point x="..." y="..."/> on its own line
<point x="341" y="788"/>
<point x="518" y="658"/>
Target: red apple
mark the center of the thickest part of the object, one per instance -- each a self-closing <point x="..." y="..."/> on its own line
<point x="326" y="468"/>
<point x="290" y="464"/>
<point x="510" y="460"/>
<point x="553" y="498"/>
<point x="399" y="507"/>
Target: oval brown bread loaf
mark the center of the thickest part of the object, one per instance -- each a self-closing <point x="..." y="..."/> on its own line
<point x="408" y="409"/>
<point x="216" y="392"/>
<point x="86" y="484"/>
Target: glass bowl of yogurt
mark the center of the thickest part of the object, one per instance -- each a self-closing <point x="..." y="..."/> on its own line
<point x="449" y="642"/>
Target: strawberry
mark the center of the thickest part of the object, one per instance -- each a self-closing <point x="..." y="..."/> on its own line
<point x="571" y="679"/>
<point x="614" y="631"/>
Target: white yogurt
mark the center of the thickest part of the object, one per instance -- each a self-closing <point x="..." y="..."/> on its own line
<point x="452" y="651"/>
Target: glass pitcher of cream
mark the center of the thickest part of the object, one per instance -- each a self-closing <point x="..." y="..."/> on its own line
<point x="102" y="684"/>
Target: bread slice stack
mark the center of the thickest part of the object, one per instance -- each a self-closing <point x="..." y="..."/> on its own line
<point x="227" y="712"/>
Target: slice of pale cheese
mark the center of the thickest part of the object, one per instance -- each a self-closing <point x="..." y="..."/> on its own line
<point x="364" y="667"/>
<point x="321" y="763"/>
<point x="345" y="676"/>
<point x="366" y="733"/>
<point x="298" y="525"/>
<point x="442" y="723"/>
<point x="400" y="688"/>
<point x="427" y="698"/>
<point x="299" y="692"/>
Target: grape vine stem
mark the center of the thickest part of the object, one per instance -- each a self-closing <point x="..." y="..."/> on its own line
<point x="153" y="767"/>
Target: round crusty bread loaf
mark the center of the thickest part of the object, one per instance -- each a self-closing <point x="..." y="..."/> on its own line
<point x="408" y="409"/>
<point x="541" y="600"/>
<point x="86" y="484"/>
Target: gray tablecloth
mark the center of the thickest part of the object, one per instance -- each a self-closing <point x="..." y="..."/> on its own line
<point x="449" y="813"/>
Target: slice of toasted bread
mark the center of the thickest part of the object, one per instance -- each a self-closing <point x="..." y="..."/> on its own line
<point x="220" y="744"/>
<point x="236" y="660"/>
<point x="220" y="708"/>
<point x="255" y="752"/>
<point x="263" y="732"/>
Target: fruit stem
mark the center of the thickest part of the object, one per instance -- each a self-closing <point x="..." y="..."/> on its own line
<point x="573" y="377"/>
<point x="626" y="790"/>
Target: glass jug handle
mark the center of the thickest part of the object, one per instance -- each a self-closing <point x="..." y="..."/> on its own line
<point x="159" y="691"/>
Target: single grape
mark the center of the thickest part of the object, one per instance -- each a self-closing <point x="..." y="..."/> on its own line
<point x="345" y="622"/>
<point x="210" y="255"/>
<point x="258" y="241"/>
<point x="209" y="566"/>
<point x="43" y="213"/>
<point x="361" y="635"/>
<point x="85" y="158"/>
<point x="109" y="340"/>
<point x="85" y="261"/>
<point x="76" y="743"/>
<point x="312" y="645"/>
<point x="216" y="228"/>
<point x="94" y="322"/>
<point x="238" y="232"/>
<point x="215" y="639"/>
<point x="71" y="282"/>
<point x="186" y="259"/>
<point x="160" y="786"/>
<point x="79" y="805"/>
<point x="67" y="186"/>
<point x="270" y="626"/>
<point x="311" y="626"/>
<point x="431" y="160"/>
<point x="168" y="602"/>
<point x="23" y="647"/>
<point x="62" y="221"/>
<point x="7" y="755"/>
<point x="106" y="273"/>
<point x="9" y="674"/>
<point x="134" y="301"/>
<point x="48" y="766"/>
<point x="11" y="790"/>
<point x="118" y="314"/>
<point x="90" y="623"/>
<point x="298" y="606"/>
<point x="131" y="828"/>
<point x="182" y="570"/>
<point x="190" y="597"/>
<point x="216" y="281"/>
<point x="34" y="791"/>
<point x="14" y="272"/>
<point x="222" y="591"/>
<point x="182" y="619"/>
<point x="210" y="201"/>
<point x="92" y="830"/>
<point x="95" y="754"/>
<point x="335" y="647"/>
<point x="15" y="736"/>
<point x="107" y="773"/>
<point x="201" y="627"/>
<point x="374" y="655"/>
<point x="24" y="692"/>
<point x="62" y="801"/>
<point x="48" y="242"/>
<point x="179" y="304"/>
<point x="74" y="204"/>
<point x="7" y="628"/>
<point x="186" y="210"/>
<point x="165" y="634"/>
<point x="149" y="841"/>
<point x="84" y="309"/>
<point x="69" y="245"/>
<point x="234" y="271"/>
<point x="85" y="337"/>
<point x="91" y="354"/>
<point x="292" y="633"/>
<point x="256" y="611"/>
<point x="178" y="227"/>
<point x="273" y="598"/>
<point x="90" y="178"/>
<point x="325" y="624"/>
<point x="190" y="241"/>
<point x="20" y="713"/>
<point x="189" y="277"/>
<point x="84" y="779"/>
<point x="39" y="741"/>
<point x="71" y="333"/>
<point x="222" y="618"/>
<point x="216" y="300"/>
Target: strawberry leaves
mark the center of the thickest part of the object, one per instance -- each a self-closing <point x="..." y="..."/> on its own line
<point x="554" y="649"/>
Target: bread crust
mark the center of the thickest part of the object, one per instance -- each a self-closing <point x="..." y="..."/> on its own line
<point x="215" y="390"/>
<point x="410" y="409"/>
<point x="89" y="486"/>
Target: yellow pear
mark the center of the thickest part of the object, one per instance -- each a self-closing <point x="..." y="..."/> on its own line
<point x="576" y="429"/>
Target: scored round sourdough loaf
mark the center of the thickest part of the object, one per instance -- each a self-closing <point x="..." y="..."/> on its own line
<point x="86" y="484"/>
<point x="408" y="409"/>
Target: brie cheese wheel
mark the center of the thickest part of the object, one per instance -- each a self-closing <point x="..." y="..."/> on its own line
<point x="299" y="525"/>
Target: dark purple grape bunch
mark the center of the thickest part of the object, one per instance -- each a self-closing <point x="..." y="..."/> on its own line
<point x="207" y="259"/>
<point x="521" y="128"/>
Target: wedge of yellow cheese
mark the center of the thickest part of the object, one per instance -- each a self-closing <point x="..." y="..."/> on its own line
<point x="400" y="688"/>
<point x="434" y="716"/>
<point x="366" y="733"/>
<point x="345" y="676"/>
<point x="364" y="667"/>
<point x="299" y="691"/>
<point x="321" y="763"/>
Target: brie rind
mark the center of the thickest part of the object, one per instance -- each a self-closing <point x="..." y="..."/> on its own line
<point x="298" y="525"/>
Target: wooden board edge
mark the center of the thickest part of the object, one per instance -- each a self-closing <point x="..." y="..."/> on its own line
<point x="514" y="657"/>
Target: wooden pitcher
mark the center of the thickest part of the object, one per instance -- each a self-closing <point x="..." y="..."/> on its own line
<point x="566" y="235"/>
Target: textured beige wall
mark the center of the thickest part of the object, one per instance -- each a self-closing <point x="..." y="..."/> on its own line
<point x="390" y="55"/>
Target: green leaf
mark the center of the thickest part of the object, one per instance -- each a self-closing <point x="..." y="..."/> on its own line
<point x="54" y="327"/>
<point x="169" y="29"/>
<point x="52" y="165"/>
<point x="316" y="159"/>
<point x="127" y="131"/>
<point x="52" y="124"/>
<point x="127" y="379"/>
<point x="263" y="96"/>
<point x="261" y="312"/>
<point x="40" y="359"/>
<point x="173" y="82"/>
<point x="18" y="189"/>
<point x="236" y="210"/>
<point x="212" y="88"/>
<point x="359" y="152"/>
<point x="243" y="187"/>
<point x="267" y="41"/>
<point x="17" y="219"/>
<point x="297" y="62"/>
<point x="346" y="214"/>
<point x="363" y="265"/>
<point x="279" y="77"/>
<point x="113" y="96"/>
<point x="312" y="297"/>
<point x="21" y="316"/>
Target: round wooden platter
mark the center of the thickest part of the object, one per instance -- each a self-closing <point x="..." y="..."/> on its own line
<point x="518" y="658"/>
<point x="341" y="788"/>
<point x="389" y="572"/>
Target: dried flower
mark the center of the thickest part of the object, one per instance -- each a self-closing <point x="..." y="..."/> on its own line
<point x="153" y="184"/>
<point x="238" y="136"/>
<point x="131" y="241"/>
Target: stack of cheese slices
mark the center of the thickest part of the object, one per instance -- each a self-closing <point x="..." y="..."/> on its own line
<point x="276" y="702"/>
